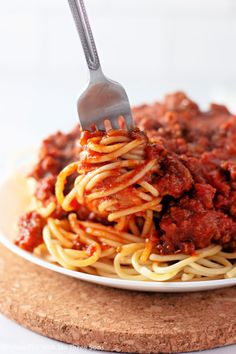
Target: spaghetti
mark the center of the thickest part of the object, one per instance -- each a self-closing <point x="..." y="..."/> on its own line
<point x="116" y="179"/>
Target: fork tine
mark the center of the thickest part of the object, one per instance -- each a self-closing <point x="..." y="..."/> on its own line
<point x="100" y="125"/>
<point x="115" y="123"/>
<point x="129" y="121"/>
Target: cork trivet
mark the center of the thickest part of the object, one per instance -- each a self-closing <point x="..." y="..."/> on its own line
<point x="92" y="316"/>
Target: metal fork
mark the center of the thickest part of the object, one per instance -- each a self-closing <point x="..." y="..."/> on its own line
<point x="103" y="99"/>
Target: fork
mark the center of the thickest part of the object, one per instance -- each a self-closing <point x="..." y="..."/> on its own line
<point x="104" y="101"/>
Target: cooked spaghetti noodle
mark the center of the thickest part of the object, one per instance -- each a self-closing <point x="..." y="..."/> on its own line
<point x="114" y="179"/>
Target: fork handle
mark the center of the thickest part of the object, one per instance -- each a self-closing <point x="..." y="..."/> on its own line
<point x="83" y="27"/>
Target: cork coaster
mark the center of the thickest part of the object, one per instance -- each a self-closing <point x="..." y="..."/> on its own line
<point x="96" y="317"/>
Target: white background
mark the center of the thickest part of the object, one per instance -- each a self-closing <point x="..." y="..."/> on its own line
<point x="151" y="46"/>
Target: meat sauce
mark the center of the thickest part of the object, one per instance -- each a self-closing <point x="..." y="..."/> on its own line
<point x="197" y="178"/>
<point x="195" y="174"/>
<point x="30" y="228"/>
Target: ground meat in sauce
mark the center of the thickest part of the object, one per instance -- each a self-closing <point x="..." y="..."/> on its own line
<point x="30" y="233"/>
<point x="205" y="143"/>
<point x="55" y="153"/>
<point x="189" y="224"/>
<point x="195" y="174"/>
<point x="173" y="177"/>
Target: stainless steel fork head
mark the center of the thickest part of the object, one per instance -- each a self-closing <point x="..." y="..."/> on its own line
<point x="102" y="100"/>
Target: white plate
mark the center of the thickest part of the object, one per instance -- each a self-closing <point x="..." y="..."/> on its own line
<point x="13" y="201"/>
